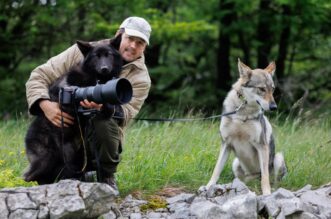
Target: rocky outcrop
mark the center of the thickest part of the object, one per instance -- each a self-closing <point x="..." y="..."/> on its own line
<point x="234" y="200"/>
<point x="74" y="199"/>
<point x="66" y="199"/>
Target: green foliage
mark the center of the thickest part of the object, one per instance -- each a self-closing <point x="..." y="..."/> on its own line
<point x="305" y="154"/>
<point x="184" y="43"/>
<point x="167" y="154"/>
<point x="154" y="202"/>
<point x="12" y="154"/>
<point x="9" y="179"/>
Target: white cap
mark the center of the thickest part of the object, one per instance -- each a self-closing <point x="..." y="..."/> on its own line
<point x="138" y="27"/>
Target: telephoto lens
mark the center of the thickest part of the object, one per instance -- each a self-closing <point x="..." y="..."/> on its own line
<point x="116" y="91"/>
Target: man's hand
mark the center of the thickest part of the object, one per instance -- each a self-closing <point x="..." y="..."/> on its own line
<point x="90" y="105"/>
<point x="53" y="114"/>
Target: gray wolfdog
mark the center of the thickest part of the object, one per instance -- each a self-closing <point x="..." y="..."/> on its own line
<point x="248" y="132"/>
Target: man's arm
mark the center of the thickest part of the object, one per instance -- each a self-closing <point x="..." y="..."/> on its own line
<point x="38" y="84"/>
<point x="141" y="89"/>
<point x="41" y="77"/>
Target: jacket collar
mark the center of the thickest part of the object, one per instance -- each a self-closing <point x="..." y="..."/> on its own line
<point x="138" y="63"/>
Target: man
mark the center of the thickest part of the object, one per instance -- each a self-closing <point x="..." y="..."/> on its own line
<point x="107" y="133"/>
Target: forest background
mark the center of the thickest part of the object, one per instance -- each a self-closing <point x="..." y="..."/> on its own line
<point x="194" y="47"/>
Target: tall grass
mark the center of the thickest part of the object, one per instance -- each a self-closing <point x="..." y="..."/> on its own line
<point x="12" y="153"/>
<point x="168" y="154"/>
<point x="307" y="149"/>
<point x="183" y="154"/>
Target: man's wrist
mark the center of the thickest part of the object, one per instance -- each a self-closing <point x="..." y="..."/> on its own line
<point x="43" y="103"/>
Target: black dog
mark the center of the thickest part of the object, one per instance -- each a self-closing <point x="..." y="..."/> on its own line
<point x="57" y="153"/>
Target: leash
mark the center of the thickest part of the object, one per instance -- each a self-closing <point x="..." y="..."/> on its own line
<point x="186" y="119"/>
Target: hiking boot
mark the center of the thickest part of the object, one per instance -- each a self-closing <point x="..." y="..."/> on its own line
<point x="90" y="176"/>
<point x="110" y="180"/>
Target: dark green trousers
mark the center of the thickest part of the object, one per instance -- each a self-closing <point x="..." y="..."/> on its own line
<point x="104" y="143"/>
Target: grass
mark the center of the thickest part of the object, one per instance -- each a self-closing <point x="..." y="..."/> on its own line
<point x="183" y="154"/>
<point x="12" y="153"/>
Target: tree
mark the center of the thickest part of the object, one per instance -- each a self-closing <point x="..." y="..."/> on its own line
<point x="227" y="17"/>
<point x="194" y="44"/>
<point x="264" y="34"/>
<point x="284" y="40"/>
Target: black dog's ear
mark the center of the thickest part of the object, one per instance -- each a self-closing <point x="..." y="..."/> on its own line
<point x="84" y="47"/>
<point x="118" y="62"/>
<point x="116" y="41"/>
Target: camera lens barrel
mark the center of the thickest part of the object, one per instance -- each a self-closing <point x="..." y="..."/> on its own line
<point x="116" y="91"/>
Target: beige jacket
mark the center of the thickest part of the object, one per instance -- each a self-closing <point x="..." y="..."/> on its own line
<point x="42" y="76"/>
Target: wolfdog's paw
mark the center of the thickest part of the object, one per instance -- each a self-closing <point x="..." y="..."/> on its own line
<point x="205" y="188"/>
<point x="26" y="177"/>
<point x="202" y="189"/>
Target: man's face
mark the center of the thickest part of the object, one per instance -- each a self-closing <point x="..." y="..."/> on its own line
<point x="131" y="47"/>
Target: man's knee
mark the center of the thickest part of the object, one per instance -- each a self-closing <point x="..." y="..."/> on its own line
<point x="106" y="129"/>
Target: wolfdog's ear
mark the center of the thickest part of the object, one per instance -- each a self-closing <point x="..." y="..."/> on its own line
<point x="116" y="41"/>
<point x="118" y="62"/>
<point x="271" y="68"/>
<point x="84" y="47"/>
<point x="244" y="70"/>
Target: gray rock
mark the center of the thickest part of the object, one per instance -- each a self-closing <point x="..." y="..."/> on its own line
<point x="281" y="203"/>
<point x="3" y="206"/>
<point x="38" y="194"/>
<point x="182" y="213"/>
<point x="241" y="206"/>
<point x="206" y="209"/>
<point x="239" y="187"/>
<point x="43" y="212"/>
<point x="154" y="215"/>
<point x="135" y="216"/>
<point x="20" y="201"/>
<point x="131" y="202"/>
<point x="109" y="215"/>
<point x="63" y="188"/>
<point x="74" y="199"/>
<point x="199" y="199"/>
<point x="306" y="188"/>
<point x="318" y="202"/>
<point x="183" y="197"/>
<point x="178" y="206"/>
<point x="218" y="190"/>
<point x="302" y="215"/>
<point x="68" y="206"/>
<point x="24" y="214"/>
<point x="66" y="199"/>
<point x="105" y="194"/>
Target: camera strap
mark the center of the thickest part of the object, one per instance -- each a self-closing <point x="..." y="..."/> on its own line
<point x="81" y="137"/>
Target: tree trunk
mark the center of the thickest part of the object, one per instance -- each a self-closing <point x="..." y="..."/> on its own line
<point x="152" y="55"/>
<point x="245" y="48"/>
<point x="264" y="34"/>
<point x="283" y="42"/>
<point x="223" y="81"/>
<point x="283" y="50"/>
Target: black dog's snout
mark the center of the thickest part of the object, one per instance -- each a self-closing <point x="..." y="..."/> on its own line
<point x="272" y="106"/>
<point x="104" y="69"/>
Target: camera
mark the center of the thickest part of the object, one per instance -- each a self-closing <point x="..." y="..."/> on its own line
<point x="116" y="91"/>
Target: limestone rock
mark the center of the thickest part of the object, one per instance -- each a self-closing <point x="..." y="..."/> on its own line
<point x="74" y="199"/>
<point x="65" y="199"/>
